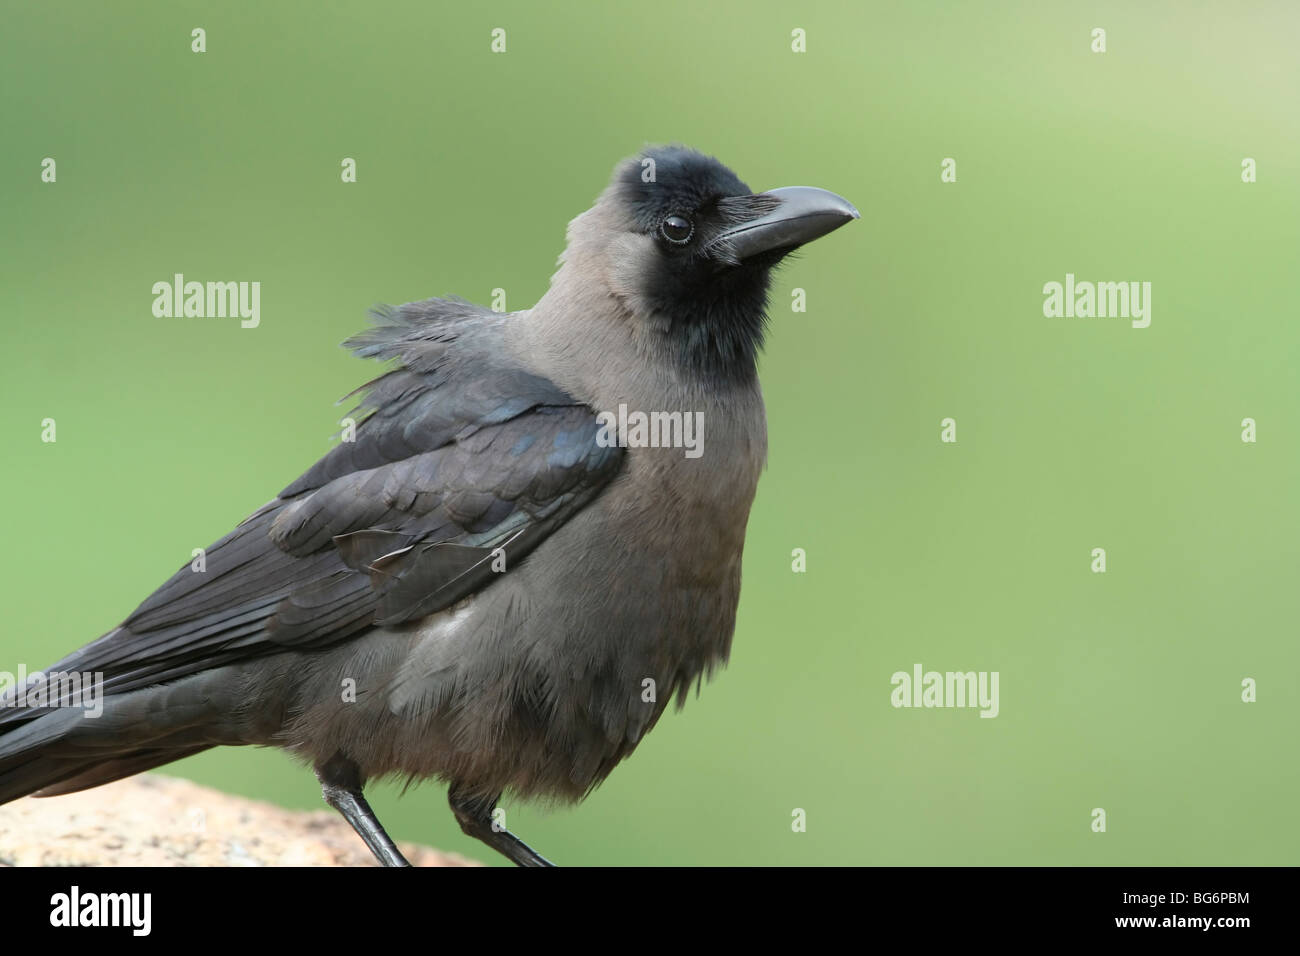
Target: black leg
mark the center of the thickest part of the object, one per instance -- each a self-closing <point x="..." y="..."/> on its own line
<point x="475" y="817"/>
<point x="340" y="784"/>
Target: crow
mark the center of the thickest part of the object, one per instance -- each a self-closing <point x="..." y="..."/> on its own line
<point x="511" y="569"/>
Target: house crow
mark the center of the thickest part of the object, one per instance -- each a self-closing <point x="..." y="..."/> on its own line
<point x="503" y="579"/>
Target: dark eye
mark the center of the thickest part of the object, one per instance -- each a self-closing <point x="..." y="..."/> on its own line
<point x="677" y="229"/>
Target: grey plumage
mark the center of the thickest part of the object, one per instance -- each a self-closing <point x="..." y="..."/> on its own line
<point x="382" y="564"/>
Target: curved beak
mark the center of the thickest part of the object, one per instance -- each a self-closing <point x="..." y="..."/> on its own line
<point x="804" y="213"/>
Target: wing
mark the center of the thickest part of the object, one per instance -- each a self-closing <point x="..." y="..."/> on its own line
<point x="463" y="460"/>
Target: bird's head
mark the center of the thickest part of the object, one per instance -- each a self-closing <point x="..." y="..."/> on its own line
<point x="689" y="248"/>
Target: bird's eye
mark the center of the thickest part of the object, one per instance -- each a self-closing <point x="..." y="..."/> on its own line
<point x="677" y="229"/>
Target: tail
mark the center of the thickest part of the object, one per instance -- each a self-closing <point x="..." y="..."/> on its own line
<point x="52" y="750"/>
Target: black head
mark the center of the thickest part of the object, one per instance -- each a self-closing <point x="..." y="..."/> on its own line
<point x="708" y="247"/>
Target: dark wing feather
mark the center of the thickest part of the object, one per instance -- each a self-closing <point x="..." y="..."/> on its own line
<point x="461" y="455"/>
<point x="428" y="400"/>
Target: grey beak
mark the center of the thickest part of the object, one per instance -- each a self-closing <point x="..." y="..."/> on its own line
<point x="805" y="213"/>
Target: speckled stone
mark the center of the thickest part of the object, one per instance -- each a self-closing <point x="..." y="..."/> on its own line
<point x="153" y="820"/>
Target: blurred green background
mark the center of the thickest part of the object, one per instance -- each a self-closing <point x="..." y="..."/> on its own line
<point x="1118" y="690"/>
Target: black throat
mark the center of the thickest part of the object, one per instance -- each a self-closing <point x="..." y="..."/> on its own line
<point x="714" y="328"/>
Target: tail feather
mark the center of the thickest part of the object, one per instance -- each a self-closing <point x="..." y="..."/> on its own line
<point x="21" y="779"/>
<point x="117" y="769"/>
<point x="61" y="750"/>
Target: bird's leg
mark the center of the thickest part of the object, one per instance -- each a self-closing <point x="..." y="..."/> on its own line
<point x="340" y="784"/>
<point x="474" y="814"/>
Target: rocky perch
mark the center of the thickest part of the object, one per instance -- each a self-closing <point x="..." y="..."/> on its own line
<point x="152" y="820"/>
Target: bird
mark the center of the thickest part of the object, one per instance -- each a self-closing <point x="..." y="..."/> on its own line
<point x="496" y="581"/>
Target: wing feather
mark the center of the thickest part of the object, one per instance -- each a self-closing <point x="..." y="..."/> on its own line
<point x="462" y="459"/>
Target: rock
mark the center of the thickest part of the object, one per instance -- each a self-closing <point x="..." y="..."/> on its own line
<point x="152" y="820"/>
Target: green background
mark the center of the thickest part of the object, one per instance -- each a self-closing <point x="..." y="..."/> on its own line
<point x="1118" y="690"/>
